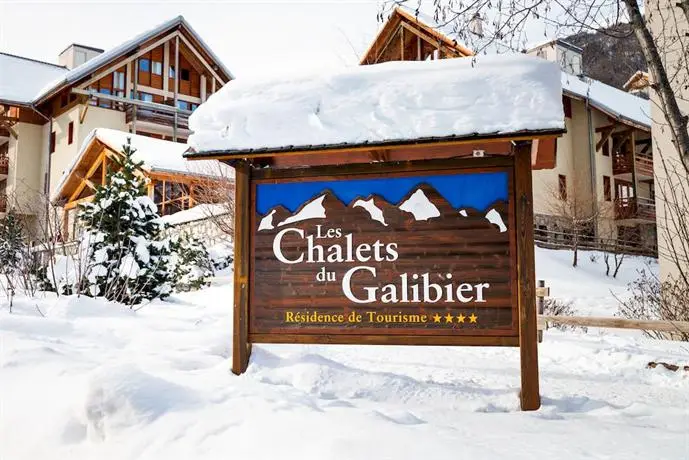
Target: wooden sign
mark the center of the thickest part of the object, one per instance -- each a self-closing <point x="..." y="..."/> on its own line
<point x="407" y="258"/>
<point x="428" y="252"/>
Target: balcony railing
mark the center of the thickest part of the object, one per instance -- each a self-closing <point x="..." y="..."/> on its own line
<point x="635" y="208"/>
<point x="622" y="164"/>
<point x="3" y="202"/>
<point x="4" y="164"/>
<point x="158" y="117"/>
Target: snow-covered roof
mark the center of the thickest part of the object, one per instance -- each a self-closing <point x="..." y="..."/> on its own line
<point x="21" y="78"/>
<point x="124" y="48"/>
<point x="617" y="103"/>
<point x="198" y="212"/>
<point x="389" y="102"/>
<point x="156" y="155"/>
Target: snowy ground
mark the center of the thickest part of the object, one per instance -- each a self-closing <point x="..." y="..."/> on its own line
<point x="96" y="381"/>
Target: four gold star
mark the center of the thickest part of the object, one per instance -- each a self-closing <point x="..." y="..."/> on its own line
<point x="461" y="318"/>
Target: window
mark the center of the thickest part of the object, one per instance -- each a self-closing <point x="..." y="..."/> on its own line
<point x="70" y="133"/>
<point x="607" y="189"/>
<point x="171" y="72"/>
<point x="146" y="97"/>
<point x="157" y="68"/>
<point x="184" y="105"/>
<point x="562" y="186"/>
<point x="118" y="80"/>
<point x="144" y="65"/>
<point x="51" y="144"/>
<point x="567" y="106"/>
<point x="184" y="75"/>
<point x="194" y="107"/>
<point x="104" y="102"/>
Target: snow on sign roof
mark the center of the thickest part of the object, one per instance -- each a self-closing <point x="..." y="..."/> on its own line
<point x="21" y="78"/>
<point x="619" y="104"/>
<point x="157" y="156"/>
<point x="389" y="102"/>
<point x="130" y="45"/>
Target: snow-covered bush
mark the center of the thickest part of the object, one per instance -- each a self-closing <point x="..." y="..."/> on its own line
<point x="126" y="253"/>
<point x="222" y="255"/>
<point x="190" y="263"/>
<point x="11" y="249"/>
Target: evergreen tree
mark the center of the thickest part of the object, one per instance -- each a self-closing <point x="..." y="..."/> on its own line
<point x="190" y="263"/>
<point x="127" y="253"/>
<point x="11" y="250"/>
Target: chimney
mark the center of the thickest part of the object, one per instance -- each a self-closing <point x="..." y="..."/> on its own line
<point x="75" y="55"/>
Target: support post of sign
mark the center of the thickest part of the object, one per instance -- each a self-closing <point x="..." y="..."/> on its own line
<point x="530" y="398"/>
<point x="241" y="348"/>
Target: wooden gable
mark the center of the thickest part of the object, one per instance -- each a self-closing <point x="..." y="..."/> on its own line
<point x="405" y="38"/>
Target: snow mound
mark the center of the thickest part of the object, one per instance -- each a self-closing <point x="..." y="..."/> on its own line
<point x="72" y="307"/>
<point x="123" y="396"/>
<point x="393" y="101"/>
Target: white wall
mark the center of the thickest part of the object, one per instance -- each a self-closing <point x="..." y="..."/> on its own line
<point x="25" y="176"/>
<point x="96" y="117"/>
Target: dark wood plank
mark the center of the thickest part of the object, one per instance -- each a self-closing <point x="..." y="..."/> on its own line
<point x="480" y="341"/>
<point x="528" y="335"/>
<point x="242" y="231"/>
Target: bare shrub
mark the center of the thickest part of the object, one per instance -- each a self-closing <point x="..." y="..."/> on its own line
<point x="557" y="307"/>
<point x="653" y="299"/>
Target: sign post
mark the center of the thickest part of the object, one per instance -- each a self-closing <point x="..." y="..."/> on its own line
<point x="425" y="252"/>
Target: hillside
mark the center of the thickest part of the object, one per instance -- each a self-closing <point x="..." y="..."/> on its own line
<point x="95" y="380"/>
<point x="611" y="55"/>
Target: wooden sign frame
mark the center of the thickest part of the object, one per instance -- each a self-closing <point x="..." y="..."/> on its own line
<point x="517" y="163"/>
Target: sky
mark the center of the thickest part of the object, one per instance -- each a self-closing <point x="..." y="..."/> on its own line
<point x="251" y="37"/>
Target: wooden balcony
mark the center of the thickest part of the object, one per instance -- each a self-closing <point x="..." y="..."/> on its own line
<point x="158" y="117"/>
<point x="622" y="164"/>
<point x="641" y="209"/>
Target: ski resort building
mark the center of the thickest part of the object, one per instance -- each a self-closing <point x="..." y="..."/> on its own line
<point x="601" y="175"/>
<point x="174" y="184"/>
<point x="148" y="86"/>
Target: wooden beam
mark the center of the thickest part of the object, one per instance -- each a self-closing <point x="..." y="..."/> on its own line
<point x="82" y="112"/>
<point x="140" y="52"/>
<point x="74" y="204"/>
<point x="387" y="43"/>
<point x="177" y="70"/>
<point x="605" y="136"/>
<point x="166" y="68"/>
<point x="199" y="57"/>
<point x="616" y="323"/>
<point x="241" y="348"/>
<point x="432" y="41"/>
<point x="85" y="179"/>
<point x="528" y="330"/>
<point x="418" y="48"/>
<point x="363" y="148"/>
<point x="402" y="44"/>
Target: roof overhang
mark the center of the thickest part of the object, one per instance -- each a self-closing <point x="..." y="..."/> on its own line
<point x="351" y="147"/>
<point x="607" y="111"/>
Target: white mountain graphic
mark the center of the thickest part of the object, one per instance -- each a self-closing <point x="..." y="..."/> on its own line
<point x="420" y="206"/>
<point x="312" y="210"/>
<point x="267" y="221"/>
<point x="494" y="217"/>
<point x="369" y="205"/>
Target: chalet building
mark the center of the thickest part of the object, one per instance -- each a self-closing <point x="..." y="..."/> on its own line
<point x="148" y="86"/>
<point x="603" y="165"/>
<point x="173" y="184"/>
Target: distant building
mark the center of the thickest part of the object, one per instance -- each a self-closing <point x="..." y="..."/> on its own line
<point x="148" y="85"/>
<point x="605" y="158"/>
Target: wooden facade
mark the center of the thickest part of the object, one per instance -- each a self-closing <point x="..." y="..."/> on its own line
<point x="170" y="191"/>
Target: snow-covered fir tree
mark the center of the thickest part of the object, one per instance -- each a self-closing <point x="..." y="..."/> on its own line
<point x="127" y="253"/>
<point x="190" y="263"/>
<point x="11" y="250"/>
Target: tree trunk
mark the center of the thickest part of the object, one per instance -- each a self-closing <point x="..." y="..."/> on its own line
<point x="661" y="82"/>
<point x="575" y="246"/>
